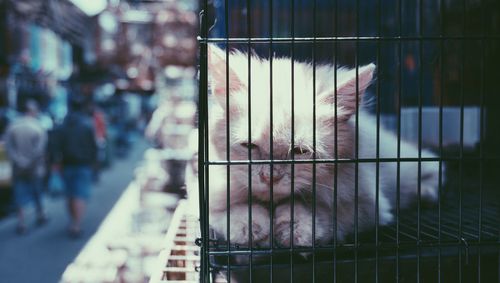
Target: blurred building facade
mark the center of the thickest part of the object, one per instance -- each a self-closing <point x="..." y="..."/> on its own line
<point x="121" y="60"/>
<point x="41" y="41"/>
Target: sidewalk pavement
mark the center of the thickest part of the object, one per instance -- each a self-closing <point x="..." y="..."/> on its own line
<point x="42" y="254"/>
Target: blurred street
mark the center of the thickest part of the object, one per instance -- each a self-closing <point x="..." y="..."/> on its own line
<point x="42" y="254"/>
<point x="108" y="84"/>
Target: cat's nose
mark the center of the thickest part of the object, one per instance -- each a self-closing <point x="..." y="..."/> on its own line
<point x="267" y="179"/>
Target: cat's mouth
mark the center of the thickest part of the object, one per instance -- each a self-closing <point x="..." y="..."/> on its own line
<point x="280" y="186"/>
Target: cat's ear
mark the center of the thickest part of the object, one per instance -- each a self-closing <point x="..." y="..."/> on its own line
<point x="217" y="64"/>
<point x="350" y="86"/>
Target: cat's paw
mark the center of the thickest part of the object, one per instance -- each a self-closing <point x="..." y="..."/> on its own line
<point x="385" y="215"/>
<point x="429" y="193"/>
<point x="240" y="230"/>
<point x="302" y="234"/>
<point x="301" y="227"/>
<point x="429" y="181"/>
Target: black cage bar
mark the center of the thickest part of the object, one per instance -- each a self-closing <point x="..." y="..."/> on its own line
<point x="435" y="87"/>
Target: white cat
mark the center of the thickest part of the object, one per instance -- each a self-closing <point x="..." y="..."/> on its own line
<point x="282" y="178"/>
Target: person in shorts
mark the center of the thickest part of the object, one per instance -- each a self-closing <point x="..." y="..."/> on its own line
<point x="25" y="143"/>
<point x="78" y="154"/>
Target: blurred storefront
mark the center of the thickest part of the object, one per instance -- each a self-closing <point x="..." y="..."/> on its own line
<point x="135" y="62"/>
<point x="39" y="51"/>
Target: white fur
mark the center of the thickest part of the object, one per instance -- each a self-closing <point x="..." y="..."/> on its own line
<point x="301" y="183"/>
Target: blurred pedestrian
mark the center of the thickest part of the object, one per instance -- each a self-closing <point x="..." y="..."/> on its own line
<point x="25" y="142"/>
<point x="78" y="155"/>
<point x="101" y="138"/>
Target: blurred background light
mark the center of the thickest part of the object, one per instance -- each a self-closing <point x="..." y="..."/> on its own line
<point x="137" y="16"/>
<point x="108" y="22"/>
<point x="92" y="7"/>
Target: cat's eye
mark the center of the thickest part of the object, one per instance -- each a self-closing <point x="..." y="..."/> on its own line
<point x="249" y="145"/>
<point x="300" y="150"/>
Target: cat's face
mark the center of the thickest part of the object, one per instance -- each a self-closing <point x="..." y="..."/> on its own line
<point x="285" y="131"/>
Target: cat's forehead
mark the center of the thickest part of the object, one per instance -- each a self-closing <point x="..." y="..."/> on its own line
<point x="283" y="77"/>
<point x="281" y="123"/>
<point x="279" y="87"/>
<point x="274" y="103"/>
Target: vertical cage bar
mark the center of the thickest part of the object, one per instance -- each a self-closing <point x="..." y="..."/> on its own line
<point x="203" y="146"/>
<point x="292" y="183"/>
<point x="314" y="147"/>
<point x="202" y="165"/>
<point x="271" y="145"/>
<point x="356" y="154"/>
<point x="249" y="101"/>
<point x="461" y="154"/>
<point x="441" y="101"/>
<point x="481" y="140"/>
<point x="228" y="144"/>
<point x="419" y="163"/>
<point x="398" y="170"/>
<point x="377" y="154"/>
<point x="336" y="155"/>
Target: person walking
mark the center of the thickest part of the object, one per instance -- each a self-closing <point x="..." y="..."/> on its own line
<point x="78" y="155"/>
<point x="25" y="142"/>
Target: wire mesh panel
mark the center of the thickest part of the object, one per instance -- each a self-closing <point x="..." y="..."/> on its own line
<point x="349" y="141"/>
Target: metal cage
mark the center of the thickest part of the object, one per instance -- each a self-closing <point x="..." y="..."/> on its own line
<point x="437" y="64"/>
